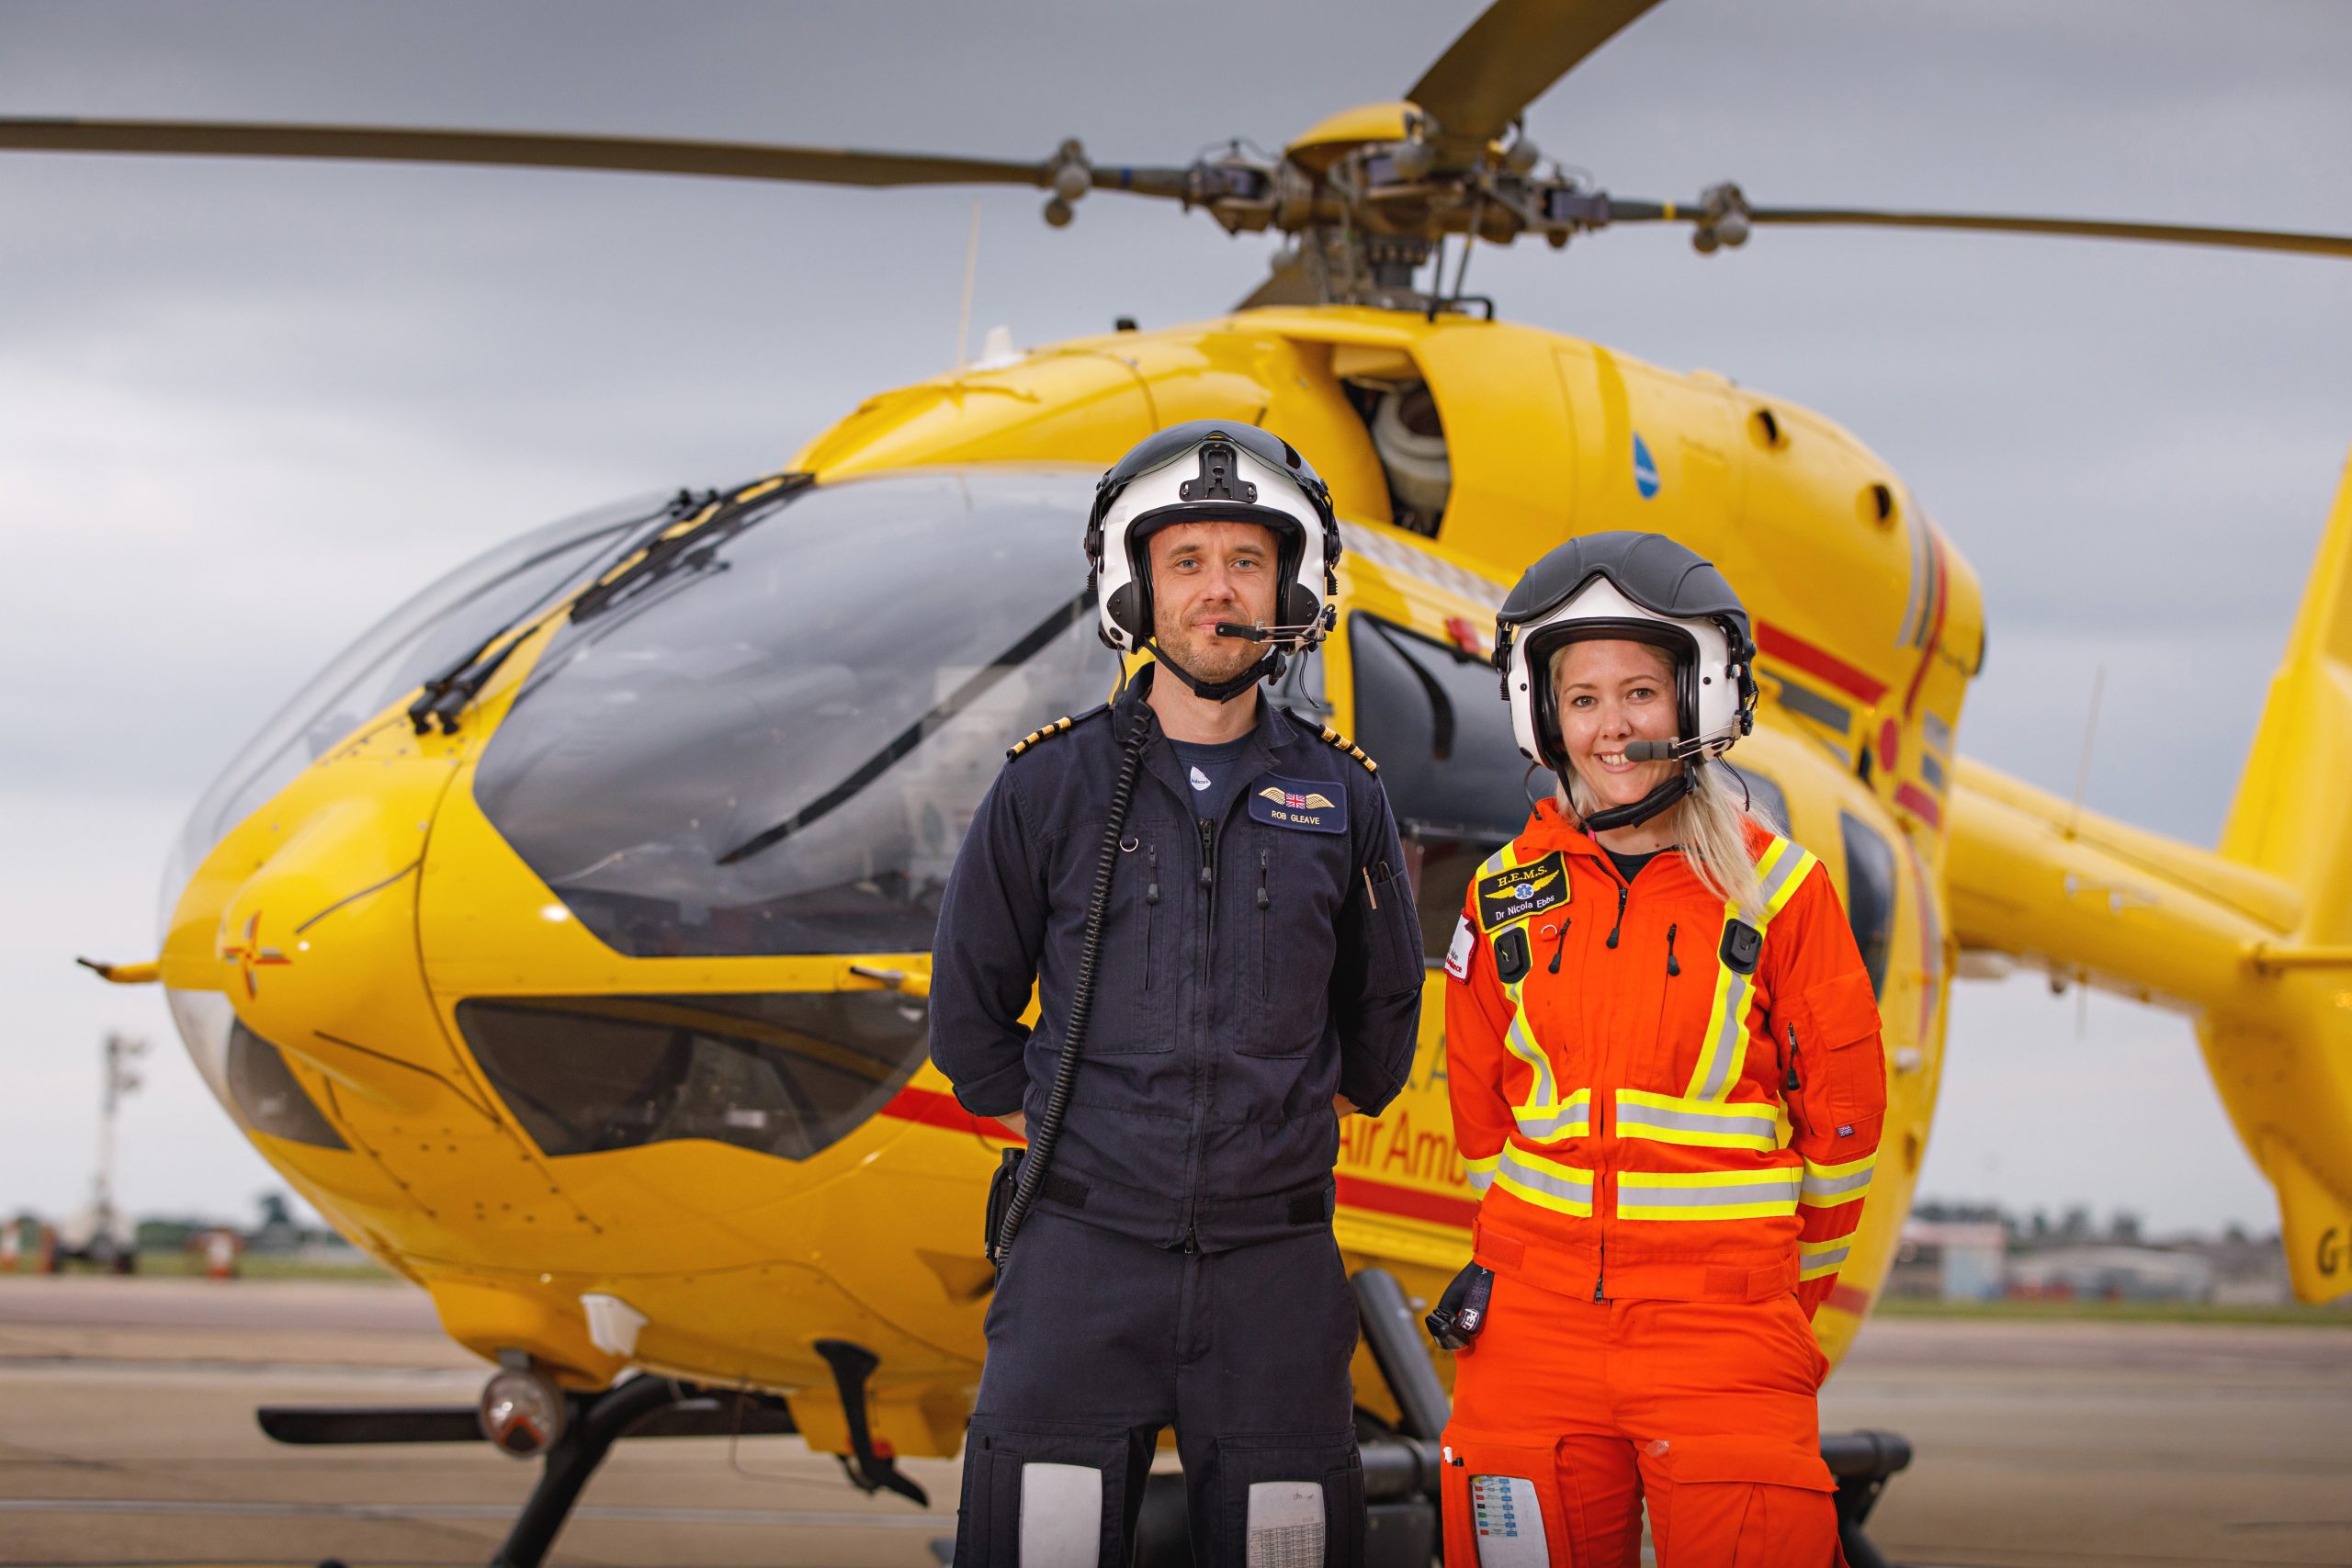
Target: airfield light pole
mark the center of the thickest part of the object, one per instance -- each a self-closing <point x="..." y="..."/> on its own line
<point x="122" y="1053"/>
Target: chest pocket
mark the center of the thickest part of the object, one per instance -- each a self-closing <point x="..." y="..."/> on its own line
<point x="1283" y="894"/>
<point x="1137" y="987"/>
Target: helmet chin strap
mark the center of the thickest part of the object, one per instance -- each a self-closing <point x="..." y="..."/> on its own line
<point x="1217" y="691"/>
<point x="1641" y="810"/>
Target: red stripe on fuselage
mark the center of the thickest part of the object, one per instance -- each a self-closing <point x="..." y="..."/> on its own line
<point x="1407" y="1203"/>
<point x="932" y="1108"/>
<point x="1793" y="650"/>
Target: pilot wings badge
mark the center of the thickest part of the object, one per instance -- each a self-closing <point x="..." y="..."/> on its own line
<point x="1290" y="803"/>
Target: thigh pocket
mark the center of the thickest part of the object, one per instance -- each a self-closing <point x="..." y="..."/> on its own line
<point x="1744" y="1504"/>
<point x="1043" y="1494"/>
<point x="1502" y="1504"/>
<point x="1286" y="1500"/>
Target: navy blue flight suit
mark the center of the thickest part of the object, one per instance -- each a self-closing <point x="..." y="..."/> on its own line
<point x="1180" y="1266"/>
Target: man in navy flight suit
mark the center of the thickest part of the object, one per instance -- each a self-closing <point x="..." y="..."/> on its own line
<point x="1258" y="975"/>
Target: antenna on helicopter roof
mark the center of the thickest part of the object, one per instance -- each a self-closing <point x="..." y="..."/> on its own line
<point x="2083" y="767"/>
<point x="971" y="270"/>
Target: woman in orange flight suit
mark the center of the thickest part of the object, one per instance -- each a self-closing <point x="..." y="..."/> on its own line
<point x="1666" y="1079"/>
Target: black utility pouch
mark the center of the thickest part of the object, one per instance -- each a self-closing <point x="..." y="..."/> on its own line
<point x="1001" y="1186"/>
<point x="1462" y="1310"/>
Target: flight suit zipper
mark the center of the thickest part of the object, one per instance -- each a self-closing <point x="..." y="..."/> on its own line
<point x="1265" y="902"/>
<point x="1150" y="904"/>
<point x="1790" y="1084"/>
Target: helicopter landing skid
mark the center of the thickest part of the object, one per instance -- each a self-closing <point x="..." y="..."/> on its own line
<point x="640" y="1407"/>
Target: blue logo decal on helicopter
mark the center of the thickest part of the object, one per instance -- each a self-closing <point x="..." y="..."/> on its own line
<point x="1645" y="468"/>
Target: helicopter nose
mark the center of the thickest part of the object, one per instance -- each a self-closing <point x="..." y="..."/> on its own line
<point x="317" y="945"/>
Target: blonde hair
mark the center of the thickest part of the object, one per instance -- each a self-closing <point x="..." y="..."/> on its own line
<point x="1709" y="825"/>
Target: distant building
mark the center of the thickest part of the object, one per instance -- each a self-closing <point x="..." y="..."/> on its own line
<point x="2112" y="1273"/>
<point x="1950" y="1259"/>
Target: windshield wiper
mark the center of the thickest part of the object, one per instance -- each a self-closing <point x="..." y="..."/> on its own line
<point x="691" y="548"/>
<point x="1030" y="644"/>
<point x="445" y="695"/>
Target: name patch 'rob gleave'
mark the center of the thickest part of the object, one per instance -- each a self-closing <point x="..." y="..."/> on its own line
<point x="1317" y="806"/>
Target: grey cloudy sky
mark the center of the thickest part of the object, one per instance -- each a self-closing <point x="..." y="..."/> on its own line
<point x="244" y="409"/>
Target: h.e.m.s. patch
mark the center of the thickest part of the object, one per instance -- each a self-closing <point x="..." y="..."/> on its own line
<point x="1511" y="896"/>
<point x="1317" y="805"/>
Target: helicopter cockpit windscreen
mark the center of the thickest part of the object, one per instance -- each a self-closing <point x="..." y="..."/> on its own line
<point x="431" y="631"/>
<point x="776" y="747"/>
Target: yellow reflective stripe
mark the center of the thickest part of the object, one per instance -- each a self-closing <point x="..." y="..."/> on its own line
<point x="1481" y="1171"/>
<point x="1520" y="1040"/>
<point x="1561" y="1188"/>
<point x="1827" y="1185"/>
<point x="1786" y="876"/>
<point x="1708" y="1195"/>
<point x="1701" y="1123"/>
<point x="1723" y="1049"/>
<point x="1815" y="1258"/>
<point x="1545" y="1122"/>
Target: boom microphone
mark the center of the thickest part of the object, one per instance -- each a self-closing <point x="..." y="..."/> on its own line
<point x="1249" y="632"/>
<point x="1647" y="751"/>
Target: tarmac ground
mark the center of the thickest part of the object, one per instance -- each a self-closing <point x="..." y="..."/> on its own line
<point x="127" y="1436"/>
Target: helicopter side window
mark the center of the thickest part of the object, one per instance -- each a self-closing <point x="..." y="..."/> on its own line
<point x="271" y="1099"/>
<point x="1434" y="718"/>
<point x="1766" y="799"/>
<point x="428" y="633"/>
<point x="1870" y="895"/>
<point x="782" y="1074"/>
<point x="778" y="748"/>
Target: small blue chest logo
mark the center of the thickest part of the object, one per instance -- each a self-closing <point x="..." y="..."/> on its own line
<point x="1318" y="806"/>
<point x="1645" y="468"/>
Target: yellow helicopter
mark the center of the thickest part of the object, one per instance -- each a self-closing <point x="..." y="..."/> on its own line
<point x="565" y="941"/>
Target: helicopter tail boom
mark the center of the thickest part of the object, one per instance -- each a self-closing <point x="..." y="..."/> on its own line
<point x="2253" y="941"/>
<point x="2287" y="1074"/>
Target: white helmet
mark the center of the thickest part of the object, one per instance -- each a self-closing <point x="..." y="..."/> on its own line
<point x="1644" y="588"/>
<point x="1215" y="471"/>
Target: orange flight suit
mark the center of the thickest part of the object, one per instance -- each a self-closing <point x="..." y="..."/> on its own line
<point x="1673" y="1120"/>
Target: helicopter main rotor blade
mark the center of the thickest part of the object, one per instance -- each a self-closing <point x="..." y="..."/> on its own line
<point x="632" y="154"/>
<point x="1507" y="58"/>
<point x="2083" y="227"/>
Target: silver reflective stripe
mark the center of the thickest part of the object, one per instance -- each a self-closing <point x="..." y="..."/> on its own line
<point x="1559" y="1184"/>
<point x="1762" y="1190"/>
<point x="1634" y="1115"/>
<point x="1731" y="1040"/>
<point x="1520" y="1040"/>
<point x="1061" y="1515"/>
<point x="1831" y="1186"/>
<point x="1825" y="1258"/>
<point x="1480" y="1179"/>
<point x="1286" y="1528"/>
<point x="1792" y="859"/>
<point x="1553" y="1121"/>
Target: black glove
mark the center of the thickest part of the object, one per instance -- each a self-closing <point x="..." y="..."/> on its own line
<point x="1462" y="1310"/>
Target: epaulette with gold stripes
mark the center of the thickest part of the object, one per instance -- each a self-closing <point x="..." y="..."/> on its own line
<point x="1036" y="735"/>
<point x="1339" y="742"/>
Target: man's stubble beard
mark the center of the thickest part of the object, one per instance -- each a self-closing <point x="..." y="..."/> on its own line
<point x="1204" y="656"/>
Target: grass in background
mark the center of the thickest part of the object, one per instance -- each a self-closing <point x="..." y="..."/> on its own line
<point x="2337" y="1314"/>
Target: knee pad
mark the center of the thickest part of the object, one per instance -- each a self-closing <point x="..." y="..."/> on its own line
<point x="1282" y="1502"/>
<point x="1502" y="1504"/>
<point x="1043" y="1494"/>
